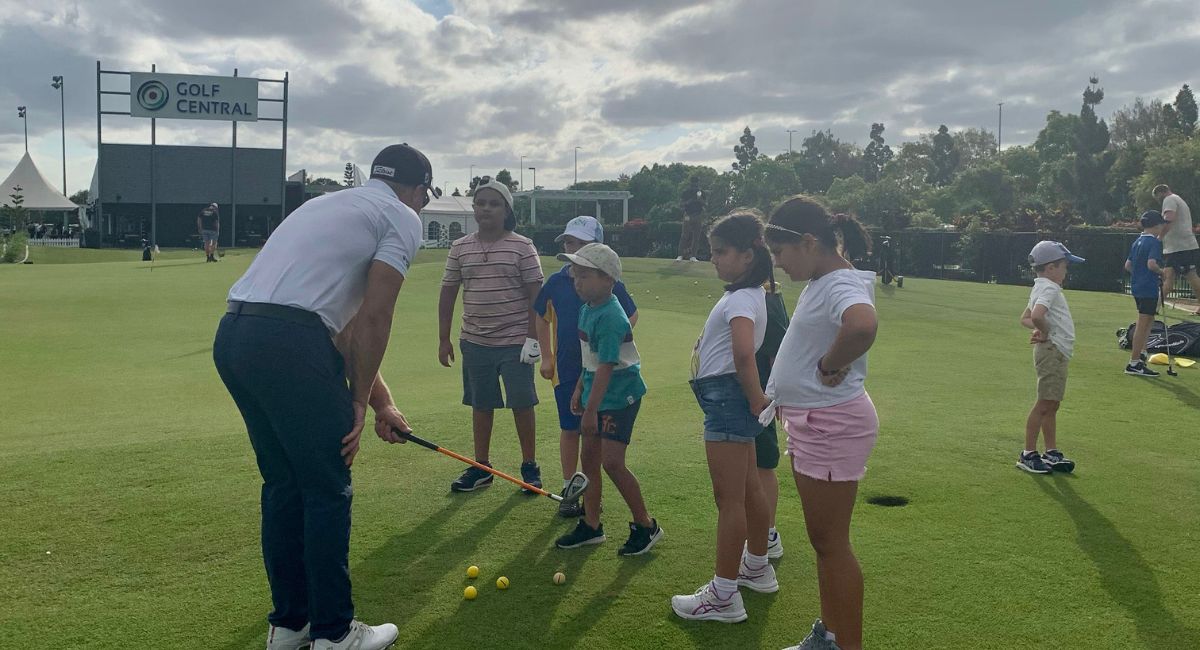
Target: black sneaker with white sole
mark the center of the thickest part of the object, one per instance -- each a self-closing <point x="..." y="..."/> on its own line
<point x="531" y="474"/>
<point x="641" y="538"/>
<point x="1055" y="460"/>
<point x="1139" y="369"/>
<point x="1032" y="463"/>
<point x="582" y="536"/>
<point x="472" y="479"/>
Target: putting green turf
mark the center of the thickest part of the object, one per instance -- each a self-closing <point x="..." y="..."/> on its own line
<point x="130" y="493"/>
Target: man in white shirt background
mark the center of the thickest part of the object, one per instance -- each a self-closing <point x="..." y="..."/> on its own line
<point x="1180" y="248"/>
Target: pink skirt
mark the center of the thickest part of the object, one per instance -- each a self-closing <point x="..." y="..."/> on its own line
<point x="831" y="443"/>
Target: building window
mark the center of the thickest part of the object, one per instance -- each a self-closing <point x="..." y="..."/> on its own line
<point x="456" y="230"/>
<point x="434" y="231"/>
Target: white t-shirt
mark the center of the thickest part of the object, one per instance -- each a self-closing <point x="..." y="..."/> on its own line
<point x="1058" y="315"/>
<point x="814" y="327"/>
<point x="1179" y="237"/>
<point x="713" y="354"/>
<point x="317" y="259"/>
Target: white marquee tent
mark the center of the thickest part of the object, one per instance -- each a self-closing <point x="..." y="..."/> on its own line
<point x="38" y="194"/>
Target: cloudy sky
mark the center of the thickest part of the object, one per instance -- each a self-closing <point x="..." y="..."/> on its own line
<point x="630" y="82"/>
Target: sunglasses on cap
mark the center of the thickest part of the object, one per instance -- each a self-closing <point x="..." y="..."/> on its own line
<point x="434" y="191"/>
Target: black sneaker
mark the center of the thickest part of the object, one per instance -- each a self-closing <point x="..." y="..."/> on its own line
<point x="581" y="536"/>
<point x="1055" y="460"/>
<point x="531" y="474"/>
<point x="641" y="538"/>
<point x="1139" y="369"/>
<point x="1032" y="463"/>
<point x="472" y="479"/>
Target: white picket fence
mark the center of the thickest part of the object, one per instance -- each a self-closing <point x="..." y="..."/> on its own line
<point x="56" y="242"/>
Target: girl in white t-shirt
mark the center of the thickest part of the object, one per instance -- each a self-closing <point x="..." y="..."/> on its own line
<point x="817" y="382"/>
<point x="726" y="384"/>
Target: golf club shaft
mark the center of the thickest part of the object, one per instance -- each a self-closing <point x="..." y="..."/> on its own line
<point x="494" y="472"/>
<point x="1167" y="334"/>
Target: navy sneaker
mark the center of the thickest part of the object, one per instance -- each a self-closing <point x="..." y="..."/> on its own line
<point x="581" y="536"/>
<point x="1139" y="369"/>
<point x="531" y="474"/>
<point x="472" y="479"/>
<point x="641" y="538"/>
<point x="1032" y="463"/>
<point x="1055" y="460"/>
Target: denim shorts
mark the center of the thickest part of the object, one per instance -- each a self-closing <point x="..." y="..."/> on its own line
<point x="727" y="416"/>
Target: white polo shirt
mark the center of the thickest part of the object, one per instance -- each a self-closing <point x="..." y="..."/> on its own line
<point x="317" y="259"/>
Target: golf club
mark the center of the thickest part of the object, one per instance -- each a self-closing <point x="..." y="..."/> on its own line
<point x="570" y="494"/>
<point x="1167" y="335"/>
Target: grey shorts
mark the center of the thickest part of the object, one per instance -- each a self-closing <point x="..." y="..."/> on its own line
<point x="209" y="236"/>
<point x="484" y="367"/>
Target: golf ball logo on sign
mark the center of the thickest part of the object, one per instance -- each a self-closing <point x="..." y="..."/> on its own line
<point x="152" y="95"/>
<point x="193" y="97"/>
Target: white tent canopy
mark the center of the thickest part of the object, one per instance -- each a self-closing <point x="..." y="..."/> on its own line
<point x="454" y="213"/>
<point x="36" y="190"/>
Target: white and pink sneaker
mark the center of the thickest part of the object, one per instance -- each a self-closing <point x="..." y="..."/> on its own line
<point x="761" y="579"/>
<point x="704" y="605"/>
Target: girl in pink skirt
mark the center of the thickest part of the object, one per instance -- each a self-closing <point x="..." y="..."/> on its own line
<point x="817" y="383"/>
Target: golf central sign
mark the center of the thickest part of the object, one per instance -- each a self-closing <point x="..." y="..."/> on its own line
<point x="191" y="97"/>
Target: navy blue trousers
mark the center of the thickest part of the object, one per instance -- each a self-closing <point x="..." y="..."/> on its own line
<point x="289" y="382"/>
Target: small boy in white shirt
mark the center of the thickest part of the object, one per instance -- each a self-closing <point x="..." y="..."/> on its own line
<point x="1053" y="339"/>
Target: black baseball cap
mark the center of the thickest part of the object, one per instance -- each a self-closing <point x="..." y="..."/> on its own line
<point x="401" y="163"/>
<point x="1152" y="218"/>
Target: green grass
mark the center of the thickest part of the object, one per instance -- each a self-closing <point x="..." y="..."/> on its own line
<point x="130" y="493"/>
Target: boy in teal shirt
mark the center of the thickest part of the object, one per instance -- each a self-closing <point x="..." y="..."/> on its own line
<point x="607" y="398"/>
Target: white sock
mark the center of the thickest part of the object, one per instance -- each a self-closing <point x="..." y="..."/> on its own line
<point x="754" y="562"/>
<point x="772" y="533"/>
<point x="1027" y="452"/>
<point x="724" y="588"/>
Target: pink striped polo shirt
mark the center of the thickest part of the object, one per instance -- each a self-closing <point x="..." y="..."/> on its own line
<point x="494" y="277"/>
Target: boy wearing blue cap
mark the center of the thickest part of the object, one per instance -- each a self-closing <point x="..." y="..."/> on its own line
<point x="1053" y="339"/>
<point x="558" y="305"/>
<point x="1145" y="265"/>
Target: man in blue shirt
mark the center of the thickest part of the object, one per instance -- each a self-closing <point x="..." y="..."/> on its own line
<point x="1145" y="264"/>
<point x="558" y="331"/>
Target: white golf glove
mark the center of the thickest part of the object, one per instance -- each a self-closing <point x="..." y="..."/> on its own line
<point x="768" y="413"/>
<point x="531" y="352"/>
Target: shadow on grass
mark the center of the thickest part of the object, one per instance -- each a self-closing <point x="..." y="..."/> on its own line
<point x="189" y="354"/>
<point x="571" y="632"/>
<point x="1180" y="390"/>
<point x="1124" y="574"/>
<point x="375" y="580"/>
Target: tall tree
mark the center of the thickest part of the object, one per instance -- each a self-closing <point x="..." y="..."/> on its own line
<point x="876" y="155"/>
<point x="974" y="145"/>
<point x="505" y="176"/>
<point x="745" y="152"/>
<point x="822" y="159"/>
<point x="1141" y="123"/>
<point x="944" y="156"/>
<point x="1091" y="160"/>
<point x="81" y="197"/>
<point x="1185" y="110"/>
<point x="348" y="175"/>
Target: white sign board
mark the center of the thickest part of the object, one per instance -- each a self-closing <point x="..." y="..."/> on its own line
<point x="192" y="97"/>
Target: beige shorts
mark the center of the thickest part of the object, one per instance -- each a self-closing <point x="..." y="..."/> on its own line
<point x="1051" y="366"/>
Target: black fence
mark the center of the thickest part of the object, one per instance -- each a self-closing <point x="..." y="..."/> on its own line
<point x="993" y="257"/>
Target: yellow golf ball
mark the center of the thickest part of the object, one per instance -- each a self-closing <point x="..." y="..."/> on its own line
<point x="472" y="571"/>
<point x="502" y="583"/>
<point x="469" y="593"/>
<point x="560" y="578"/>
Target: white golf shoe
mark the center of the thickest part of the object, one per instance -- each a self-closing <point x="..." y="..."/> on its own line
<point x="774" y="546"/>
<point x="282" y="638"/>
<point x="362" y="637"/>
<point x="705" y="606"/>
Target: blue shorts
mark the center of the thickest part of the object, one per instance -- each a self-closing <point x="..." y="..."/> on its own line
<point x="727" y="416"/>
<point x="209" y="236"/>
<point x="567" y="421"/>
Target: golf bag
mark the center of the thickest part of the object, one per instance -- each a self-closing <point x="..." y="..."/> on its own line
<point x="1183" y="339"/>
<point x="147" y="251"/>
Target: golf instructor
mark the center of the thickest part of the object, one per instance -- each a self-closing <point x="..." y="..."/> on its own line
<point x="313" y="311"/>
